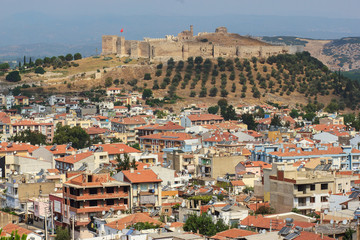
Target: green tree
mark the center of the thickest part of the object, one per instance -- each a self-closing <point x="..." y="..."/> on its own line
<point x="29" y="136"/>
<point x="77" y="56"/>
<point x="4" y="66"/>
<point x="144" y="225"/>
<point x="294" y="113"/>
<point x="295" y="210"/>
<point x="39" y="62"/>
<point x="249" y="120"/>
<point x="213" y="109"/>
<point x="125" y="163"/>
<point x="198" y="60"/>
<point x="213" y="91"/>
<point x="39" y="70"/>
<point x="13" y="76"/>
<point x="147" y="76"/>
<point x="228" y="113"/>
<point x="147" y="93"/>
<point x="248" y="189"/>
<point x="276" y="121"/>
<point x="69" y="57"/>
<point x="222" y="103"/>
<point x="192" y="94"/>
<point x="263" y="210"/>
<point x="62" y="234"/>
<point x="108" y="81"/>
<point x="348" y="234"/>
<point x="204" y="225"/>
<point x="76" y="135"/>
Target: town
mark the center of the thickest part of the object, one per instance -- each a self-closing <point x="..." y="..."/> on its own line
<point x="123" y="169"/>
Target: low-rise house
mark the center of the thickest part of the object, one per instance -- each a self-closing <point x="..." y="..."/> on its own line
<point x="157" y="142"/>
<point x="200" y="119"/>
<point x="146" y="188"/>
<point x="12" y="228"/>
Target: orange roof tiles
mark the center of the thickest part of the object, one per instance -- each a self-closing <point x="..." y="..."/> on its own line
<point x="204" y="117"/>
<point x="177" y="224"/>
<point x="19" y="147"/>
<point x="238" y="183"/>
<point x="75" y="158"/>
<point x="131" y="220"/>
<point x="233" y="233"/>
<point x="96" y="130"/>
<point x="170" y="136"/>
<point x="261" y="222"/>
<point x="10" y="227"/>
<point x="304" y="235"/>
<point x="117" y="148"/>
<point x="299" y="152"/>
<point x="60" y="149"/>
<point x="4" y="118"/>
<point x="141" y="176"/>
<point x="255" y="206"/>
<point x="133" y="121"/>
<point x="223" y="136"/>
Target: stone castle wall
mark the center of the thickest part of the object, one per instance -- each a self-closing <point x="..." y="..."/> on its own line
<point x="182" y="47"/>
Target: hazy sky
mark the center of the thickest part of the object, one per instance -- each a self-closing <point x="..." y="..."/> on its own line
<point x="321" y="8"/>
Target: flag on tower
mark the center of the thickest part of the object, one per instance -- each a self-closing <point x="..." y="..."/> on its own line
<point x="121" y="30"/>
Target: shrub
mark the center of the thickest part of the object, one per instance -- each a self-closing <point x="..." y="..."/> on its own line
<point x="39" y="70"/>
<point x="13" y="76"/>
<point x="147" y="76"/>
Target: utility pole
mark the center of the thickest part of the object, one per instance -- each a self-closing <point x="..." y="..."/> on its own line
<point x="73" y="227"/>
<point x="46" y="230"/>
<point x="52" y="218"/>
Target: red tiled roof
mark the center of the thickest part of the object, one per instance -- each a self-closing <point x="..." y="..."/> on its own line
<point x="75" y="158"/>
<point x="204" y="208"/>
<point x="224" y="136"/>
<point x="315" y="151"/>
<point x="4" y="118"/>
<point x="255" y="206"/>
<point x="117" y="148"/>
<point x="328" y="127"/>
<point x="141" y="176"/>
<point x="133" y="121"/>
<point x="233" y="233"/>
<point x="96" y="130"/>
<point x="177" y="224"/>
<point x="113" y="88"/>
<point x="10" y="227"/>
<point x="131" y="220"/>
<point x="170" y="126"/>
<point x="175" y="136"/>
<point x="53" y="170"/>
<point x="304" y="235"/>
<point x="17" y="147"/>
<point x="261" y="222"/>
<point x="253" y="133"/>
<point x="238" y="183"/>
<point x="60" y="149"/>
<point x="260" y="164"/>
<point x="204" y="117"/>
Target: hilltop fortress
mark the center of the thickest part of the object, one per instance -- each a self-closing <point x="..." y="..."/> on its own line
<point x="185" y="44"/>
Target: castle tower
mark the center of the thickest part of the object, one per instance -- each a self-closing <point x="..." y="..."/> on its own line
<point x="192" y="30"/>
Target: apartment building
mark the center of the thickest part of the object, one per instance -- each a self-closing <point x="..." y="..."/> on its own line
<point x="343" y="157"/>
<point x="200" y="119"/>
<point x="93" y="195"/>
<point x="46" y="129"/>
<point x="155" y="143"/>
<point x="289" y="187"/>
<point x="146" y="188"/>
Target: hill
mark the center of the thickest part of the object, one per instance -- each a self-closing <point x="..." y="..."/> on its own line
<point x="284" y="79"/>
<point x="337" y="54"/>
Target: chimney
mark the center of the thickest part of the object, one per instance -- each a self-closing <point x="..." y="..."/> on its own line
<point x="131" y="170"/>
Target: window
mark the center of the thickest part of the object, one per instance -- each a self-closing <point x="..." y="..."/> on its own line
<point x="301" y="188"/>
<point x="312" y="199"/>
<point x="144" y="187"/>
<point x="109" y="202"/>
<point x="166" y="210"/>
<point x="324" y="199"/>
<point x="93" y="203"/>
<point x="125" y="201"/>
<point x="135" y="186"/>
<point x="324" y="186"/>
<point x="110" y="190"/>
<point x="340" y="186"/>
<point x="312" y="187"/>
<point x="93" y="191"/>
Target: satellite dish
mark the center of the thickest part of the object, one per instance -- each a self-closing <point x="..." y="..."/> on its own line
<point x="118" y="212"/>
<point x="331" y="221"/>
<point x="55" y="189"/>
<point x="326" y="211"/>
<point x="103" y="212"/>
<point x="55" y="218"/>
<point x="344" y="222"/>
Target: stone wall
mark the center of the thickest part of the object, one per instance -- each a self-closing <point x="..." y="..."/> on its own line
<point x="184" y="46"/>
